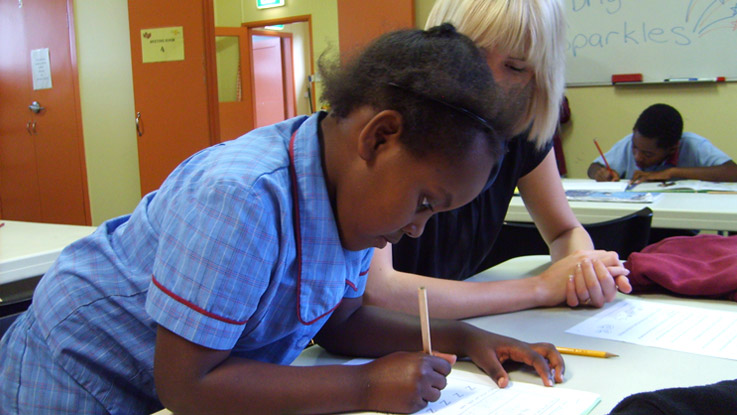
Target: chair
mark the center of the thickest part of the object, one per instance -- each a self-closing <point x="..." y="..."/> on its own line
<point x="624" y="235"/>
<point x="9" y="311"/>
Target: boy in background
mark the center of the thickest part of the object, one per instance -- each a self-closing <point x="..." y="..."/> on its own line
<point x="659" y="150"/>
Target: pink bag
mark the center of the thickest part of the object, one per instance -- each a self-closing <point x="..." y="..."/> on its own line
<point x="701" y="265"/>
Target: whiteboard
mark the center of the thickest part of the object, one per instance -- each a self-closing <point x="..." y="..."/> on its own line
<point x="657" y="38"/>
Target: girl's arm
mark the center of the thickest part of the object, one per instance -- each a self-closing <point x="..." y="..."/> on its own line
<point x="375" y="331"/>
<point x="191" y="379"/>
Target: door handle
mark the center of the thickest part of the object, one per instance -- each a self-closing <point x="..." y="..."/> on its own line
<point x="28" y="128"/>
<point x="35" y="107"/>
<point x="139" y="127"/>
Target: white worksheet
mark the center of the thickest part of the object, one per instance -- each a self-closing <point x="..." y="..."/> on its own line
<point x="464" y="396"/>
<point x="476" y="394"/>
<point x="682" y="328"/>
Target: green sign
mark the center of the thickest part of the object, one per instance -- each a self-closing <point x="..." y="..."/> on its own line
<point x="263" y="4"/>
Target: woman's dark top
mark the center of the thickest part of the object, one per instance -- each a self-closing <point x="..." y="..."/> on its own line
<point x="456" y="243"/>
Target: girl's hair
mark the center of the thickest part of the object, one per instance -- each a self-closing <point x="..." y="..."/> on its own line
<point x="437" y="79"/>
<point x="532" y="29"/>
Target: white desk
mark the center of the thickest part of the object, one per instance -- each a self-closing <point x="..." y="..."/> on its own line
<point x="716" y="212"/>
<point x="28" y="249"/>
<point x="637" y="369"/>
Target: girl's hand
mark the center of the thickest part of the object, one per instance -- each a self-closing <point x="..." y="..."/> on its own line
<point x="405" y="382"/>
<point x="489" y="351"/>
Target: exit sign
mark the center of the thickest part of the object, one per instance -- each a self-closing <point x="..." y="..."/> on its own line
<point x="263" y="4"/>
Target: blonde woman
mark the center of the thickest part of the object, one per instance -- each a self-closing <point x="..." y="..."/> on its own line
<point x="524" y="43"/>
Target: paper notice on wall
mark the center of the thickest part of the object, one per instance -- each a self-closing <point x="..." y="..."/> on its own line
<point x="162" y="44"/>
<point x="41" y="68"/>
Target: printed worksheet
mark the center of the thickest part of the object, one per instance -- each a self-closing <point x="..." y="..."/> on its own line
<point x="464" y="396"/>
<point x="682" y="328"/>
<point x="476" y="394"/>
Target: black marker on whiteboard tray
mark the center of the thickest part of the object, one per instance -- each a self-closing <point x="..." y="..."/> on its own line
<point x="717" y="79"/>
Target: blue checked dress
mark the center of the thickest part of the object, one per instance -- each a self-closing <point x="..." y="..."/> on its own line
<point x="238" y="250"/>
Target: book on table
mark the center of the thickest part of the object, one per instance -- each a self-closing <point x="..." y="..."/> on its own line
<point x="614" y="197"/>
<point x="586" y="190"/>
<point x="686" y="186"/>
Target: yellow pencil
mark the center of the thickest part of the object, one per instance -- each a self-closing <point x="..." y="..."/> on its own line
<point x="584" y="352"/>
<point x="424" y="320"/>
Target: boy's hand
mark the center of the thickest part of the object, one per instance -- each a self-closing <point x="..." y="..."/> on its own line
<point x="640" y="176"/>
<point x="405" y="382"/>
<point x="489" y="351"/>
<point x="606" y="175"/>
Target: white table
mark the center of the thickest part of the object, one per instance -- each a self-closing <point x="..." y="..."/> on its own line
<point x="637" y="369"/>
<point x="705" y="211"/>
<point x="28" y="249"/>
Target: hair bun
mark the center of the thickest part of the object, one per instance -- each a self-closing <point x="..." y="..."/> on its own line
<point x="445" y="29"/>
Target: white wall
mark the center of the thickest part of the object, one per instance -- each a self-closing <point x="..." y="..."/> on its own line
<point x="106" y="96"/>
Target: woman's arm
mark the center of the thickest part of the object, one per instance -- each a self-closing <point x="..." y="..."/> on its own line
<point x="451" y="299"/>
<point x="563" y="282"/>
<point x="544" y="198"/>
<point x="396" y="290"/>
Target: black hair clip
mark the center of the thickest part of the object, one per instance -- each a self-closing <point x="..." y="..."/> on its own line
<point x="481" y="120"/>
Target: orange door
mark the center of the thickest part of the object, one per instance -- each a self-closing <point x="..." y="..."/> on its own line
<point x="360" y="21"/>
<point x="176" y="101"/>
<point x="42" y="171"/>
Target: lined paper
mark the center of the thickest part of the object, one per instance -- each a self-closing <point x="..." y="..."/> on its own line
<point x="683" y="328"/>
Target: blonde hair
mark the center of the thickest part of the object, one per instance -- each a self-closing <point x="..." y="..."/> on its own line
<point x="532" y="29"/>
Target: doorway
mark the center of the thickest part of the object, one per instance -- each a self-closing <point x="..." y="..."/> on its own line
<point x="264" y="73"/>
<point x="273" y="76"/>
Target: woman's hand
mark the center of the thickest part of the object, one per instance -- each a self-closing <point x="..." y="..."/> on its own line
<point x="593" y="283"/>
<point x="589" y="278"/>
<point x="405" y="382"/>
